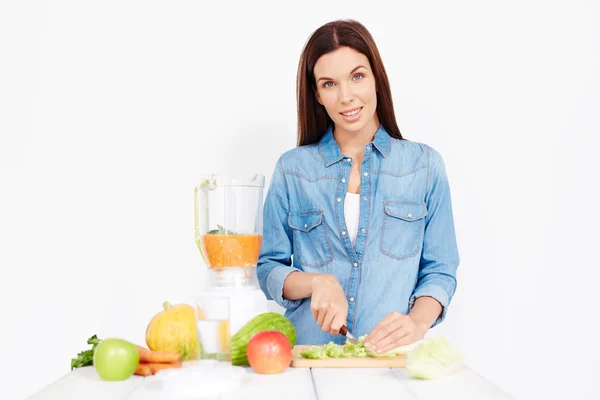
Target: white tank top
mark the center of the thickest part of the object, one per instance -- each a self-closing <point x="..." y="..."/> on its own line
<point x="352" y="214"/>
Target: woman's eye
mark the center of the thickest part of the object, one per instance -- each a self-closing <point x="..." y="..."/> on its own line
<point x="357" y="76"/>
<point x="327" y="84"/>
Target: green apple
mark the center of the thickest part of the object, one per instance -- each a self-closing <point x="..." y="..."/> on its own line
<point x="116" y="359"/>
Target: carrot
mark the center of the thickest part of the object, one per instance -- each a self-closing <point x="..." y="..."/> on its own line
<point x="143" y="370"/>
<point x="155" y="367"/>
<point x="151" y="356"/>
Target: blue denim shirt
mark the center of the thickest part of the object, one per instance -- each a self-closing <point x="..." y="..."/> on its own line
<point x="405" y="247"/>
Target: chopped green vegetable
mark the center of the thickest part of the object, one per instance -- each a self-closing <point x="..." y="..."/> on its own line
<point x="334" y="350"/>
<point x="433" y="358"/>
<point x="220" y="231"/>
<point x="330" y="350"/>
<point x="315" y="353"/>
<point x="85" y="358"/>
<point x="357" y="349"/>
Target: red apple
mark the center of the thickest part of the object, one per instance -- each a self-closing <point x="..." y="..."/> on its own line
<point x="269" y="352"/>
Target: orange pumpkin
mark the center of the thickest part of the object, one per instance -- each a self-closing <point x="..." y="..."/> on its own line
<point x="174" y="329"/>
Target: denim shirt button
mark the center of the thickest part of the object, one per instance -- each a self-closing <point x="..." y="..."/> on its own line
<point x="348" y="159"/>
<point x="351" y="298"/>
<point x="366" y="174"/>
<point x="339" y="199"/>
<point x="363" y="230"/>
<point x="343" y="180"/>
<point x="356" y="264"/>
<point x="365" y="198"/>
<point x="343" y="233"/>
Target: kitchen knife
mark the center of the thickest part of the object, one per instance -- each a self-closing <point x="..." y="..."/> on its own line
<point x="349" y="336"/>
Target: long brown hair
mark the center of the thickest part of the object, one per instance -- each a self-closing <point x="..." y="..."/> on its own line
<point x="312" y="117"/>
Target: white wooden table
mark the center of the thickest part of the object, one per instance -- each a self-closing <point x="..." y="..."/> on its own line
<point x="293" y="384"/>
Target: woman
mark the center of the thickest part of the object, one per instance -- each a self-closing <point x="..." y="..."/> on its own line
<point x="358" y="225"/>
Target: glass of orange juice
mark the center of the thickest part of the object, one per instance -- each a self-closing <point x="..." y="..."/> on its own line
<point x="212" y="321"/>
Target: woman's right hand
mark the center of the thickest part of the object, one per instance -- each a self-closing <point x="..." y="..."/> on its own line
<point x="328" y="303"/>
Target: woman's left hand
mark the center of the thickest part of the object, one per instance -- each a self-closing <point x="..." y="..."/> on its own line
<point x="394" y="330"/>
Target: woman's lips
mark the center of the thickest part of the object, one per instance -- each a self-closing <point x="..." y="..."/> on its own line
<point x="352" y="115"/>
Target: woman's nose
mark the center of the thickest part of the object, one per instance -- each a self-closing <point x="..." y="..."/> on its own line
<point x="346" y="94"/>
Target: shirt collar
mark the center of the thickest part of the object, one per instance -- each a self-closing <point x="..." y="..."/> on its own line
<point x="331" y="153"/>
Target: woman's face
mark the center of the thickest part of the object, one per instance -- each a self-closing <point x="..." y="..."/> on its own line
<point x="345" y="86"/>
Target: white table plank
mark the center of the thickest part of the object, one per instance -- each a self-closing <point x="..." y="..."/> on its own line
<point x="359" y="383"/>
<point x="464" y="384"/>
<point x="253" y="386"/>
<point x="292" y="384"/>
<point x="84" y="383"/>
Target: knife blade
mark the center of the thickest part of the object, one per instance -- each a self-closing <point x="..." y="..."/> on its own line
<point x="349" y="336"/>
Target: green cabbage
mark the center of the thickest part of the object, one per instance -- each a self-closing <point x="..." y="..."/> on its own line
<point x="433" y="358"/>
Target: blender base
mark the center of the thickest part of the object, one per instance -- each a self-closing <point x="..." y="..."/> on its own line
<point x="233" y="278"/>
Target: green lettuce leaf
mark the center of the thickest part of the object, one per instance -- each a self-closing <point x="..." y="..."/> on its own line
<point x="433" y="358"/>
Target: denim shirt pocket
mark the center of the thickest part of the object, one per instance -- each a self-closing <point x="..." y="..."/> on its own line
<point x="402" y="229"/>
<point x="311" y="246"/>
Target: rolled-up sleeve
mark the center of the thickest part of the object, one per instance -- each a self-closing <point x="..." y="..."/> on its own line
<point x="274" y="263"/>
<point x="439" y="258"/>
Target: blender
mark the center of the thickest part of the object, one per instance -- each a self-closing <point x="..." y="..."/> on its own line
<point x="228" y="221"/>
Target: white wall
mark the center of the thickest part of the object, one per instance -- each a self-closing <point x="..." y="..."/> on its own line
<point x="110" y="112"/>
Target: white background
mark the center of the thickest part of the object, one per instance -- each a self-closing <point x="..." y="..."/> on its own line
<point x="110" y="111"/>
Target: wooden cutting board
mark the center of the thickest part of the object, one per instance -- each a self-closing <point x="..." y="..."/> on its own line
<point x="351" y="362"/>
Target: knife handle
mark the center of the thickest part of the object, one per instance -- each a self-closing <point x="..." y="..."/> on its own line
<point x="344" y="330"/>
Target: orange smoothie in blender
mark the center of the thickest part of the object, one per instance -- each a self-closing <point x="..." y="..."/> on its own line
<point x="237" y="250"/>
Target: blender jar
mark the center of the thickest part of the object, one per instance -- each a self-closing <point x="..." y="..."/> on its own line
<point x="228" y="228"/>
